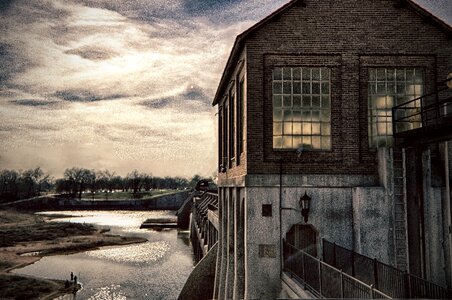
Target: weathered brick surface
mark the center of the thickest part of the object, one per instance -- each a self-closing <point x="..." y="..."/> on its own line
<point x="348" y="36"/>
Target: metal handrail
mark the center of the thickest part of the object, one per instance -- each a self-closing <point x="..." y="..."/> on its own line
<point x="360" y="287"/>
<point x="386" y="278"/>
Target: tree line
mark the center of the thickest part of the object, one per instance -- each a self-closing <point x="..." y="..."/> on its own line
<point x="15" y="185"/>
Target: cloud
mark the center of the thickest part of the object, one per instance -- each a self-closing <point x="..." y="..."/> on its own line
<point x="83" y="96"/>
<point x="63" y="62"/>
<point x="93" y="53"/>
<point x="36" y="103"/>
<point x="193" y="98"/>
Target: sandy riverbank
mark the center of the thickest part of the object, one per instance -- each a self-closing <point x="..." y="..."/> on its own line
<point x="25" y="238"/>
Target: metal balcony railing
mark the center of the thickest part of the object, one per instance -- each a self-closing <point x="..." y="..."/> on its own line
<point x="431" y="109"/>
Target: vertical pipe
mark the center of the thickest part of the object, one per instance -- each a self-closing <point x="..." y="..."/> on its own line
<point x="280" y="219"/>
<point x="447" y="203"/>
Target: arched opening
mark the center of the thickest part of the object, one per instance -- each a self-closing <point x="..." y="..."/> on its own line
<point x="303" y="237"/>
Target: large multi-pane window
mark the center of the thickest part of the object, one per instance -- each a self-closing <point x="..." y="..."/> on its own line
<point x="388" y="87"/>
<point x="301" y="108"/>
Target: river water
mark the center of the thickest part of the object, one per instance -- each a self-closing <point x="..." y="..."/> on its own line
<point x="156" y="269"/>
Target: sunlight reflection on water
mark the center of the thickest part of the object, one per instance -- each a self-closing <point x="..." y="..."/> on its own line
<point x="109" y="292"/>
<point x="137" y="253"/>
<point x="156" y="269"/>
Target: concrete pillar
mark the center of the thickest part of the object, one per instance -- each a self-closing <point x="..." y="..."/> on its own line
<point x="223" y="236"/>
<point x="446" y="207"/>
<point x="229" y="287"/>
<point x="220" y="245"/>
<point x="239" y="270"/>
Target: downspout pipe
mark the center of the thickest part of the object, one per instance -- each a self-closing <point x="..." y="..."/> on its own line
<point x="280" y="220"/>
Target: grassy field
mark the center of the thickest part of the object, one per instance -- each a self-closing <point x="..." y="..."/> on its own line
<point x="127" y="195"/>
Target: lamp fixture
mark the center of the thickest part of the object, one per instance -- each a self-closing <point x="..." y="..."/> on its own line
<point x="305" y="202"/>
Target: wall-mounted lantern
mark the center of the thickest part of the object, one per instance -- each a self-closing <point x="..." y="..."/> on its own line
<point x="305" y="202"/>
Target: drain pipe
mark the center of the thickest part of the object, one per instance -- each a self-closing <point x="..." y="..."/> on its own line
<point x="448" y="210"/>
<point x="281" y="247"/>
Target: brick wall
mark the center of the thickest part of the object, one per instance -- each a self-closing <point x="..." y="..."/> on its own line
<point x="348" y="36"/>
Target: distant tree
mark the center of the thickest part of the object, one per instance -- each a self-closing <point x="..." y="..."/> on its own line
<point x="194" y="180"/>
<point x="106" y="181"/>
<point x="9" y="185"/>
<point x="135" y="182"/>
<point x="79" y="179"/>
<point x="147" y="182"/>
<point x="32" y="181"/>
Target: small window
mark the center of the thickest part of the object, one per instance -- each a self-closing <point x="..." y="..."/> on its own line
<point x="266" y="210"/>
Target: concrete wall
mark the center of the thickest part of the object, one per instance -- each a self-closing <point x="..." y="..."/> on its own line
<point x="341" y="211"/>
<point x="163" y="202"/>
<point x="433" y="225"/>
<point x="372" y="219"/>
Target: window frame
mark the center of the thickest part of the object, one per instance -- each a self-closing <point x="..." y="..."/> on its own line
<point x="292" y="92"/>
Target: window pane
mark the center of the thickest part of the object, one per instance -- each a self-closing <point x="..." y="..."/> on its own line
<point x="306" y="72"/>
<point x="277" y="115"/>
<point x="325" y="74"/>
<point x="315" y="101"/>
<point x="316" y="88"/>
<point x="287" y="115"/>
<point x="287" y="88"/>
<point x="287" y="142"/>
<point x="315" y="74"/>
<point x="296" y="114"/>
<point x="296" y="73"/>
<point x="297" y="87"/>
<point x="277" y="129"/>
<point x="316" y="128"/>
<point x="287" y="128"/>
<point x="277" y="74"/>
<point x="287" y="101"/>
<point x="277" y="142"/>
<point x="325" y="88"/>
<point x="296" y="101"/>
<point x="287" y="73"/>
<point x="277" y="101"/>
<point x="297" y="128"/>
<point x="325" y="101"/>
<point x="277" y="87"/>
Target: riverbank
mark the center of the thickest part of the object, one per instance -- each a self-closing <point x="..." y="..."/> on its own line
<point x="26" y="238"/>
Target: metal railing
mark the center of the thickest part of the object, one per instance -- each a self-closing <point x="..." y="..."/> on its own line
<point x="387" y="279"/>
<point x="429" y="109"/>
<point x="324" y="280"/>
<point x="203" y="233"/>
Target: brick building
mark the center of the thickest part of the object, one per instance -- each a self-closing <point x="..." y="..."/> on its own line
<point x="304" y="106"/>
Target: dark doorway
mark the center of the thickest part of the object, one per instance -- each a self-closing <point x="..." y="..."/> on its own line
<point x="303" y="237"/>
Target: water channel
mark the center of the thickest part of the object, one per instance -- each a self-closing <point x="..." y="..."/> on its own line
<point x="156" y="269"/>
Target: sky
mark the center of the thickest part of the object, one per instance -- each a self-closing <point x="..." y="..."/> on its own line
<point x="119" y="84"/>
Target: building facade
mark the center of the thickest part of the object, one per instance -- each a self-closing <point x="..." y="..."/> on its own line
<point x="305" y="107"/>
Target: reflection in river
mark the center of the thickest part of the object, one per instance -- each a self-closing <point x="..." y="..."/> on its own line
<point x="156" y="269"/>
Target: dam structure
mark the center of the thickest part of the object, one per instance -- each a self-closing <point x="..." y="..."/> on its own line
<point x="334" y="126"/>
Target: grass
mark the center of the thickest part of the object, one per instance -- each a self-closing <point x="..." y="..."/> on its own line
<point x="13" y="287"/>
<point x="127" y="195"/>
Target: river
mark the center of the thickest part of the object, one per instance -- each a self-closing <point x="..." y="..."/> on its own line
<point x="156" y="269"/>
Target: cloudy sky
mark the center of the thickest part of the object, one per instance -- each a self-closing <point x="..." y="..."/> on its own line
<point x="118" y="84"/>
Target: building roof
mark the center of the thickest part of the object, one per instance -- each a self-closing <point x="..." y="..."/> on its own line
<point x="238" y="44"/>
